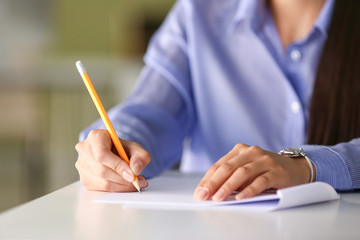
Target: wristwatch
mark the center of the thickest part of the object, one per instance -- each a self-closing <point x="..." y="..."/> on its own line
<point x="298" y="152"/>
<point x="293" y="152"/>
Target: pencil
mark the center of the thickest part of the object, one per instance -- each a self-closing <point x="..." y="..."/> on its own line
<point x="105" y="118"/>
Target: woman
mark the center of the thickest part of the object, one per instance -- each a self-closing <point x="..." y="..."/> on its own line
<point x="272" y="74"/>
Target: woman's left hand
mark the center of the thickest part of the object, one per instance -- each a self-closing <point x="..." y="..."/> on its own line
<point x="251" y="170"/>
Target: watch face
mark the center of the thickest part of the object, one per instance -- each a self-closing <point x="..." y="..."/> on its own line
<point x="293" y="152"/>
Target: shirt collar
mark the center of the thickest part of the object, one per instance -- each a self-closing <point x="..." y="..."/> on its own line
<point x="254" y="12"/>
<point x="323" y="21"/>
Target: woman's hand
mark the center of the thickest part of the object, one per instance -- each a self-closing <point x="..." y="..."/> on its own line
<point x="101" y="169"/>
<point x="251" y="170"/>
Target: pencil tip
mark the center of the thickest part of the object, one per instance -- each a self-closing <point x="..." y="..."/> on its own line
<point x="136" y="184"/>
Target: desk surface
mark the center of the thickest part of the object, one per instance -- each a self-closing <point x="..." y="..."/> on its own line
<point x="70" y="213"/>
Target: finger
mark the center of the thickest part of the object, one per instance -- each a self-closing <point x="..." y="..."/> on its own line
<point x="100" y="138"/>
<point x="109" y="186"/>
<point x="260" y="184"/>
<point x="101" y="145"/>
<point x="233" y="153"/>
<point x="239" y="178"/>
<point x="139" y="157"/>
<point x="85" y="158"/>
<point x="97" y="169"/>
<point x="107" y="173"/>
<point x="95" y="183"/>
<point x="220" y="176"/>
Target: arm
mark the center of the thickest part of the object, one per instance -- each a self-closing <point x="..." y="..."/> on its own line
<point x="155" y="116"/>
<point x="159" y="113"/>
<point x="251" y="170"/>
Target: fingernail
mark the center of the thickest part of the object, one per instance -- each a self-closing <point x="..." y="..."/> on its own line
<point x="129" y="176"/>
<point x="219" y="195"/>
<point x="202" y="193"/>
<point x="142" y="183"/>
<point x="137" y="168"/>
<point x="241" y="195"/>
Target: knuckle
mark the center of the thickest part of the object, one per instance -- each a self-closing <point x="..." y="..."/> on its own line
<point x="211" y="184"/>
<point x="230" y="186"/>
<point x="95" y="132"/>
<point x="79" y="146"/>
<point x="140" y="148"/>
<point x="81" y="165"/>
<point x="77" y="165"/>
<point x="118" y="167"/>
<point x="244" y="171"/>
<point x="268" y="160"/>
<point x="147" y="156"/>
<point x="227" y="167"/>
<point x="92" y="133"/>
<point x="239" y="146"/>
<point x="144" y="156"/>
<point x="264" y="180"/>
<point x="254" y="150"/>
<point x="251" y="190"/>
<point x="213" y="168"/>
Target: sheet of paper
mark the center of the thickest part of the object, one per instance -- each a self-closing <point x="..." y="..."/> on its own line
<point x="175" y="192"/>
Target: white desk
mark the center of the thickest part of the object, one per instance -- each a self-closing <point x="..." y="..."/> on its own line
<point x="70" y="213"/>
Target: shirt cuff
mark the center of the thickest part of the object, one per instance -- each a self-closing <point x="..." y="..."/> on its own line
<point x="330" y="167"/>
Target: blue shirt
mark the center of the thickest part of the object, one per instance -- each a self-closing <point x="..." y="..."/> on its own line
<point x="215" y="75"/>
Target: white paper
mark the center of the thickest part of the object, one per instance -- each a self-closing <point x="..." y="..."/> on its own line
<point x="176" y="192"/>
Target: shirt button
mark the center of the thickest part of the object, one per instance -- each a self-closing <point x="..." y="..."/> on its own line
<point x="295" y="55"/>
<point x="295" y="107"/>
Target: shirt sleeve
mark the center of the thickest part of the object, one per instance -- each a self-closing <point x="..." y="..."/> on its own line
<point x="159" y="113"/>
<point x="337" y="165"/>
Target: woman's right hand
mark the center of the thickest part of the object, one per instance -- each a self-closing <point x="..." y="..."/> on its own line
<point x="100" y="167"/>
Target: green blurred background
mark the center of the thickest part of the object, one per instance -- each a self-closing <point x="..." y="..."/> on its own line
<point x="43" y="102"/>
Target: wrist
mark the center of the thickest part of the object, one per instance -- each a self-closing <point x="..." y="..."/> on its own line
<point x="303" y="159"/>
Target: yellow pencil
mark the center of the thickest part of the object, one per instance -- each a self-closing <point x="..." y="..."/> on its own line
<point x="105" y="118"/>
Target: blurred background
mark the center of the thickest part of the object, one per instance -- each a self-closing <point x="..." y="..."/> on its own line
<point x="43" y="101"/>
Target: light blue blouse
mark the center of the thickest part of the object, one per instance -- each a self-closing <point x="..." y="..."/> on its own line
<point x="216" y="75"/>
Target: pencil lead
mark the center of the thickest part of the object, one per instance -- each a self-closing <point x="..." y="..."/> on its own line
<point x="136" y="184"/>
